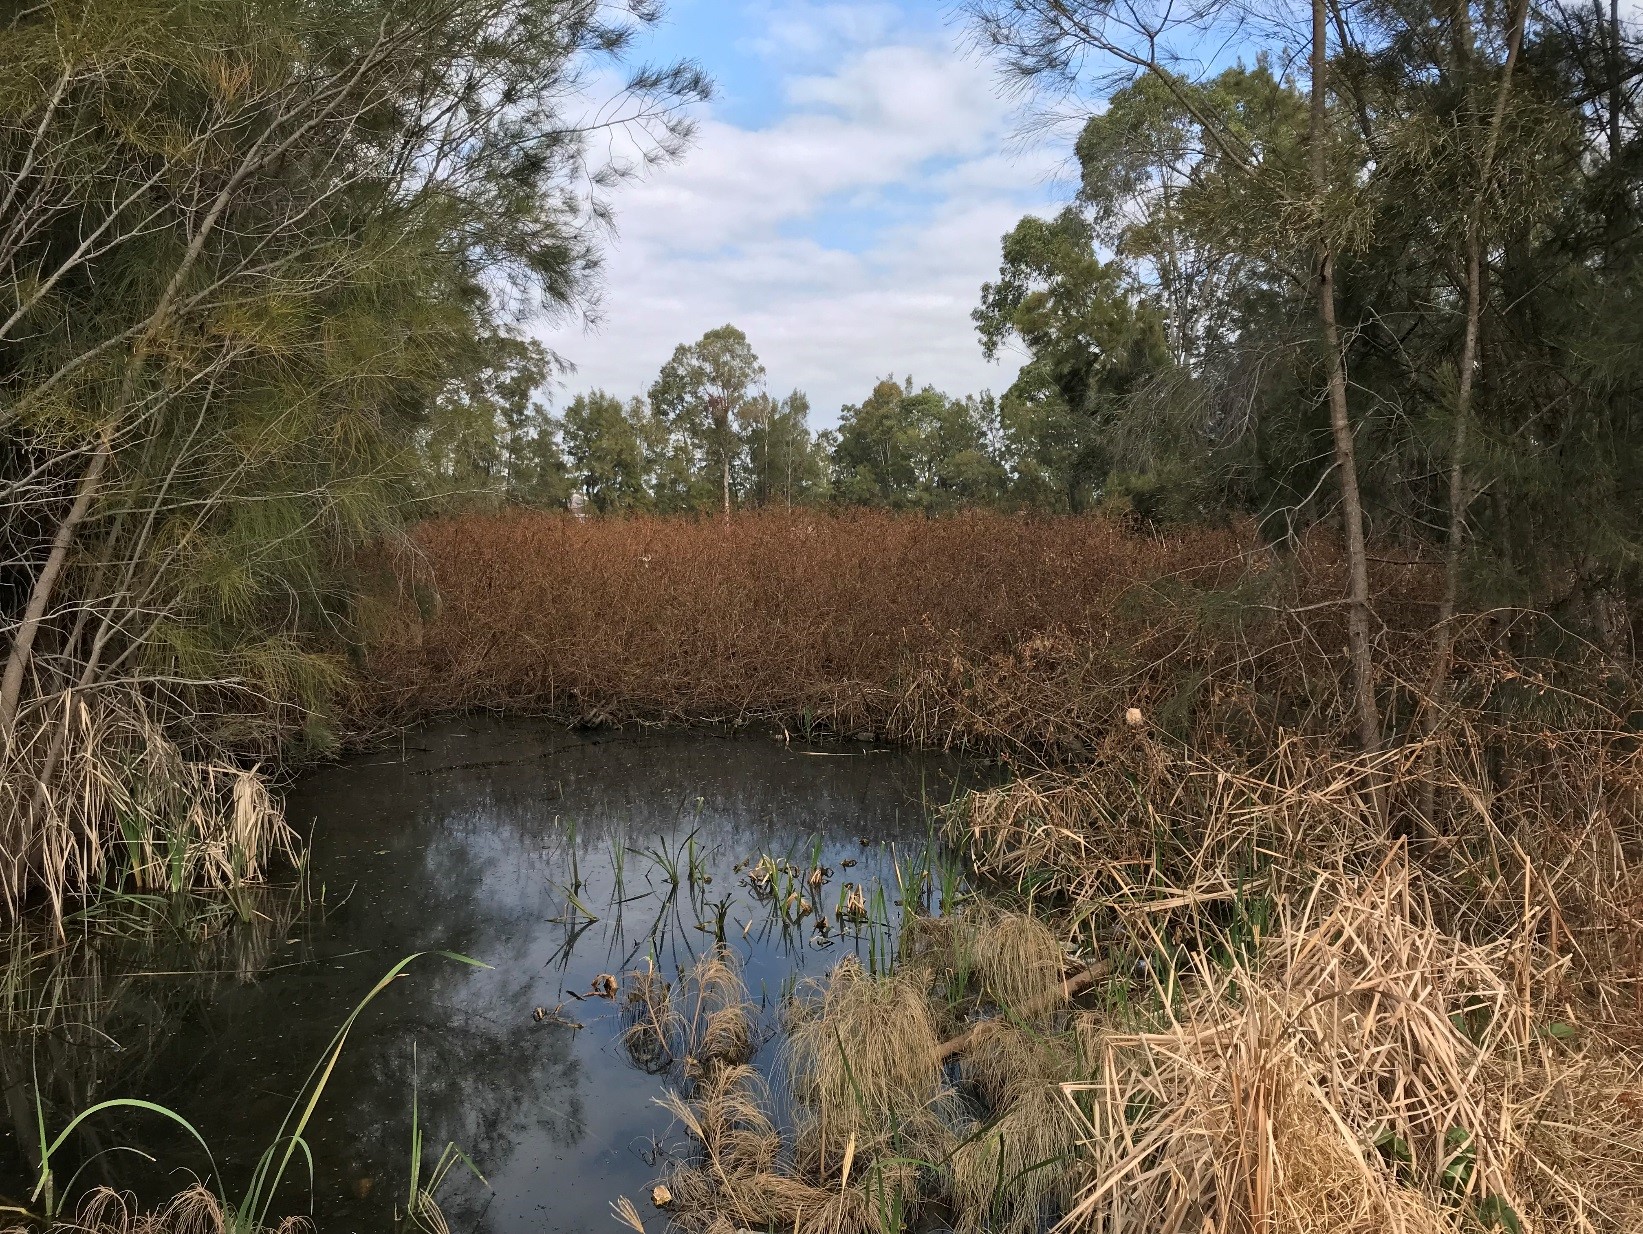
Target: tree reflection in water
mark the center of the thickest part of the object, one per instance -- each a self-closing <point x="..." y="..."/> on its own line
<point x="549" y="855"/>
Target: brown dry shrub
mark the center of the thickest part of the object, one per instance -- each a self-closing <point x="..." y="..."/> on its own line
<point x="1026" y="635"/>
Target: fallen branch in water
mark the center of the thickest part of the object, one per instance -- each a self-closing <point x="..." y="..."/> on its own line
<point x="1071" y="986"/>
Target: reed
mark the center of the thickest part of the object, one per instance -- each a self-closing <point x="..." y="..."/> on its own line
<point x="982" y="630"/>
<point x="101" y="794"/>
<point x="1363" y="1070"/>
<point x="198" y="1210"/>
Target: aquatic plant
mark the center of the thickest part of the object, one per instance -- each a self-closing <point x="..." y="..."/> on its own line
<point x="211" y="1212"/>
<point x="422" y="1211"/>
<point x="703" y="1022"/>
<point x="104" y="795"/>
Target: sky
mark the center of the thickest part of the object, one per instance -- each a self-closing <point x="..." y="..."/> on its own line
<point x="842" y="204"/>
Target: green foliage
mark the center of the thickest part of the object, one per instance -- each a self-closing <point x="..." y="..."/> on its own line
<point x="1093" y="343"/>
<point x="610" y="446"/>
<point x="917" y="449"/>
<point x="705" y="394"/>
<point x="1198" y="206"/>
<point x="783" y="464"/>
<point x="264" y="273"/>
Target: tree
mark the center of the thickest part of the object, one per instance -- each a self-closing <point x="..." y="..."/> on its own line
<point x="1402" y="276"/>
<point x="244" y="247"/>
<point x="916" y="449"/>
<point x="783" y="464"/>
<point x="1091" y="342"/>
<point x="1050" y="45"/>
<point x="705" y="392"/>
<point x="493" y="438"/>
<point x="605" y="443"/>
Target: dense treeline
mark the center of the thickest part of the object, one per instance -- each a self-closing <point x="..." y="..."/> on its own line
<point x="710" y="436"/>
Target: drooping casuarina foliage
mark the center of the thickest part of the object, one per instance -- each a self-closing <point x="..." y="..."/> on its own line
<point x="261" y="269"/>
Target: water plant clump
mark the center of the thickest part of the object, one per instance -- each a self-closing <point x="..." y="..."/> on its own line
<point x="1348" y="1055"/>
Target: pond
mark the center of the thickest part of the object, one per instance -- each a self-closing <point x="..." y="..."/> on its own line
<point x="554" y="857"/>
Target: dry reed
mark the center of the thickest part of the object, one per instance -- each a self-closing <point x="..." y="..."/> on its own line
<point x="1363" y="1070"/>
<point x="192" y="1211"/>
<point x="1027" y="636"/>
<point x="100" y="786"/>
<point x="704" y="1023"/>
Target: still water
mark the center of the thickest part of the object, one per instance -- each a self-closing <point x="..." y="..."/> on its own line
<point x="552" y="857"/>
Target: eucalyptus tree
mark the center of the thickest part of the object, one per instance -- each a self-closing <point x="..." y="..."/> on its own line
<point x="1091" y="340"/>
<point x="244" y="246"/>
<point x="1295" y="214"/>
<point x="705" y="392"/>
<point x="784" y="466"/>
<point x="912" y="448"/>
<point x="607" y="444"/>
<point x="493" y="438"/>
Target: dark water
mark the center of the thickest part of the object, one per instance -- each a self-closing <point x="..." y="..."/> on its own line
<point x="471" y="840"/>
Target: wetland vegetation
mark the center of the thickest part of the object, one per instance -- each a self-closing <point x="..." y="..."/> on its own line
<point x="1197" y="790"/>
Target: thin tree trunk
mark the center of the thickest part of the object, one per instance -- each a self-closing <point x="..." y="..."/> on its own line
<point x="725" y="462"/>
<point x="11" y="685"/>
<point x="1340" y="423"/>
<point x="1459" y="499"/>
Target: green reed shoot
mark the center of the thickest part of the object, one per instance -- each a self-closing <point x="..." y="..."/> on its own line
<point x="570" y="839"/>
<point x="577" y="903"/>
<point x="421" y="1210"/>
<point x="952" y="881"/>
<point x="251" y="1215"/>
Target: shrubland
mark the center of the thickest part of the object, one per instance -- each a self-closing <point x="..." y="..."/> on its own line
<point x="1014" y="634"/>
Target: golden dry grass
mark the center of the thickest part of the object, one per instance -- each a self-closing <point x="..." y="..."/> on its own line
<point x="860" y="1063"/>
<point x="1022" y="1165"/>
<point x="1361" y="1070"/>
<point x="703" y="1022"/>
<point x="194" y="1210"/>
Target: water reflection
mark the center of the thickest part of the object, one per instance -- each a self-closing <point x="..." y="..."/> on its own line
<point x="554" y="857"/>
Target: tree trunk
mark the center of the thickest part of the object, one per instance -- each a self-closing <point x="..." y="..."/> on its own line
<point x="1340" y="423"/>
<point x="1444" y="635"/>
<point x="11" y="685"/>
<point x="725" y="461"/>
<point x="1616" y="96"/>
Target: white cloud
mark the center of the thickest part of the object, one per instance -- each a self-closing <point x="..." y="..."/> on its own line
<point x="848" y="236"/>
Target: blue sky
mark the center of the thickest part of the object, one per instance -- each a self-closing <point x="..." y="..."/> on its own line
<point x="842" y="204"/>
